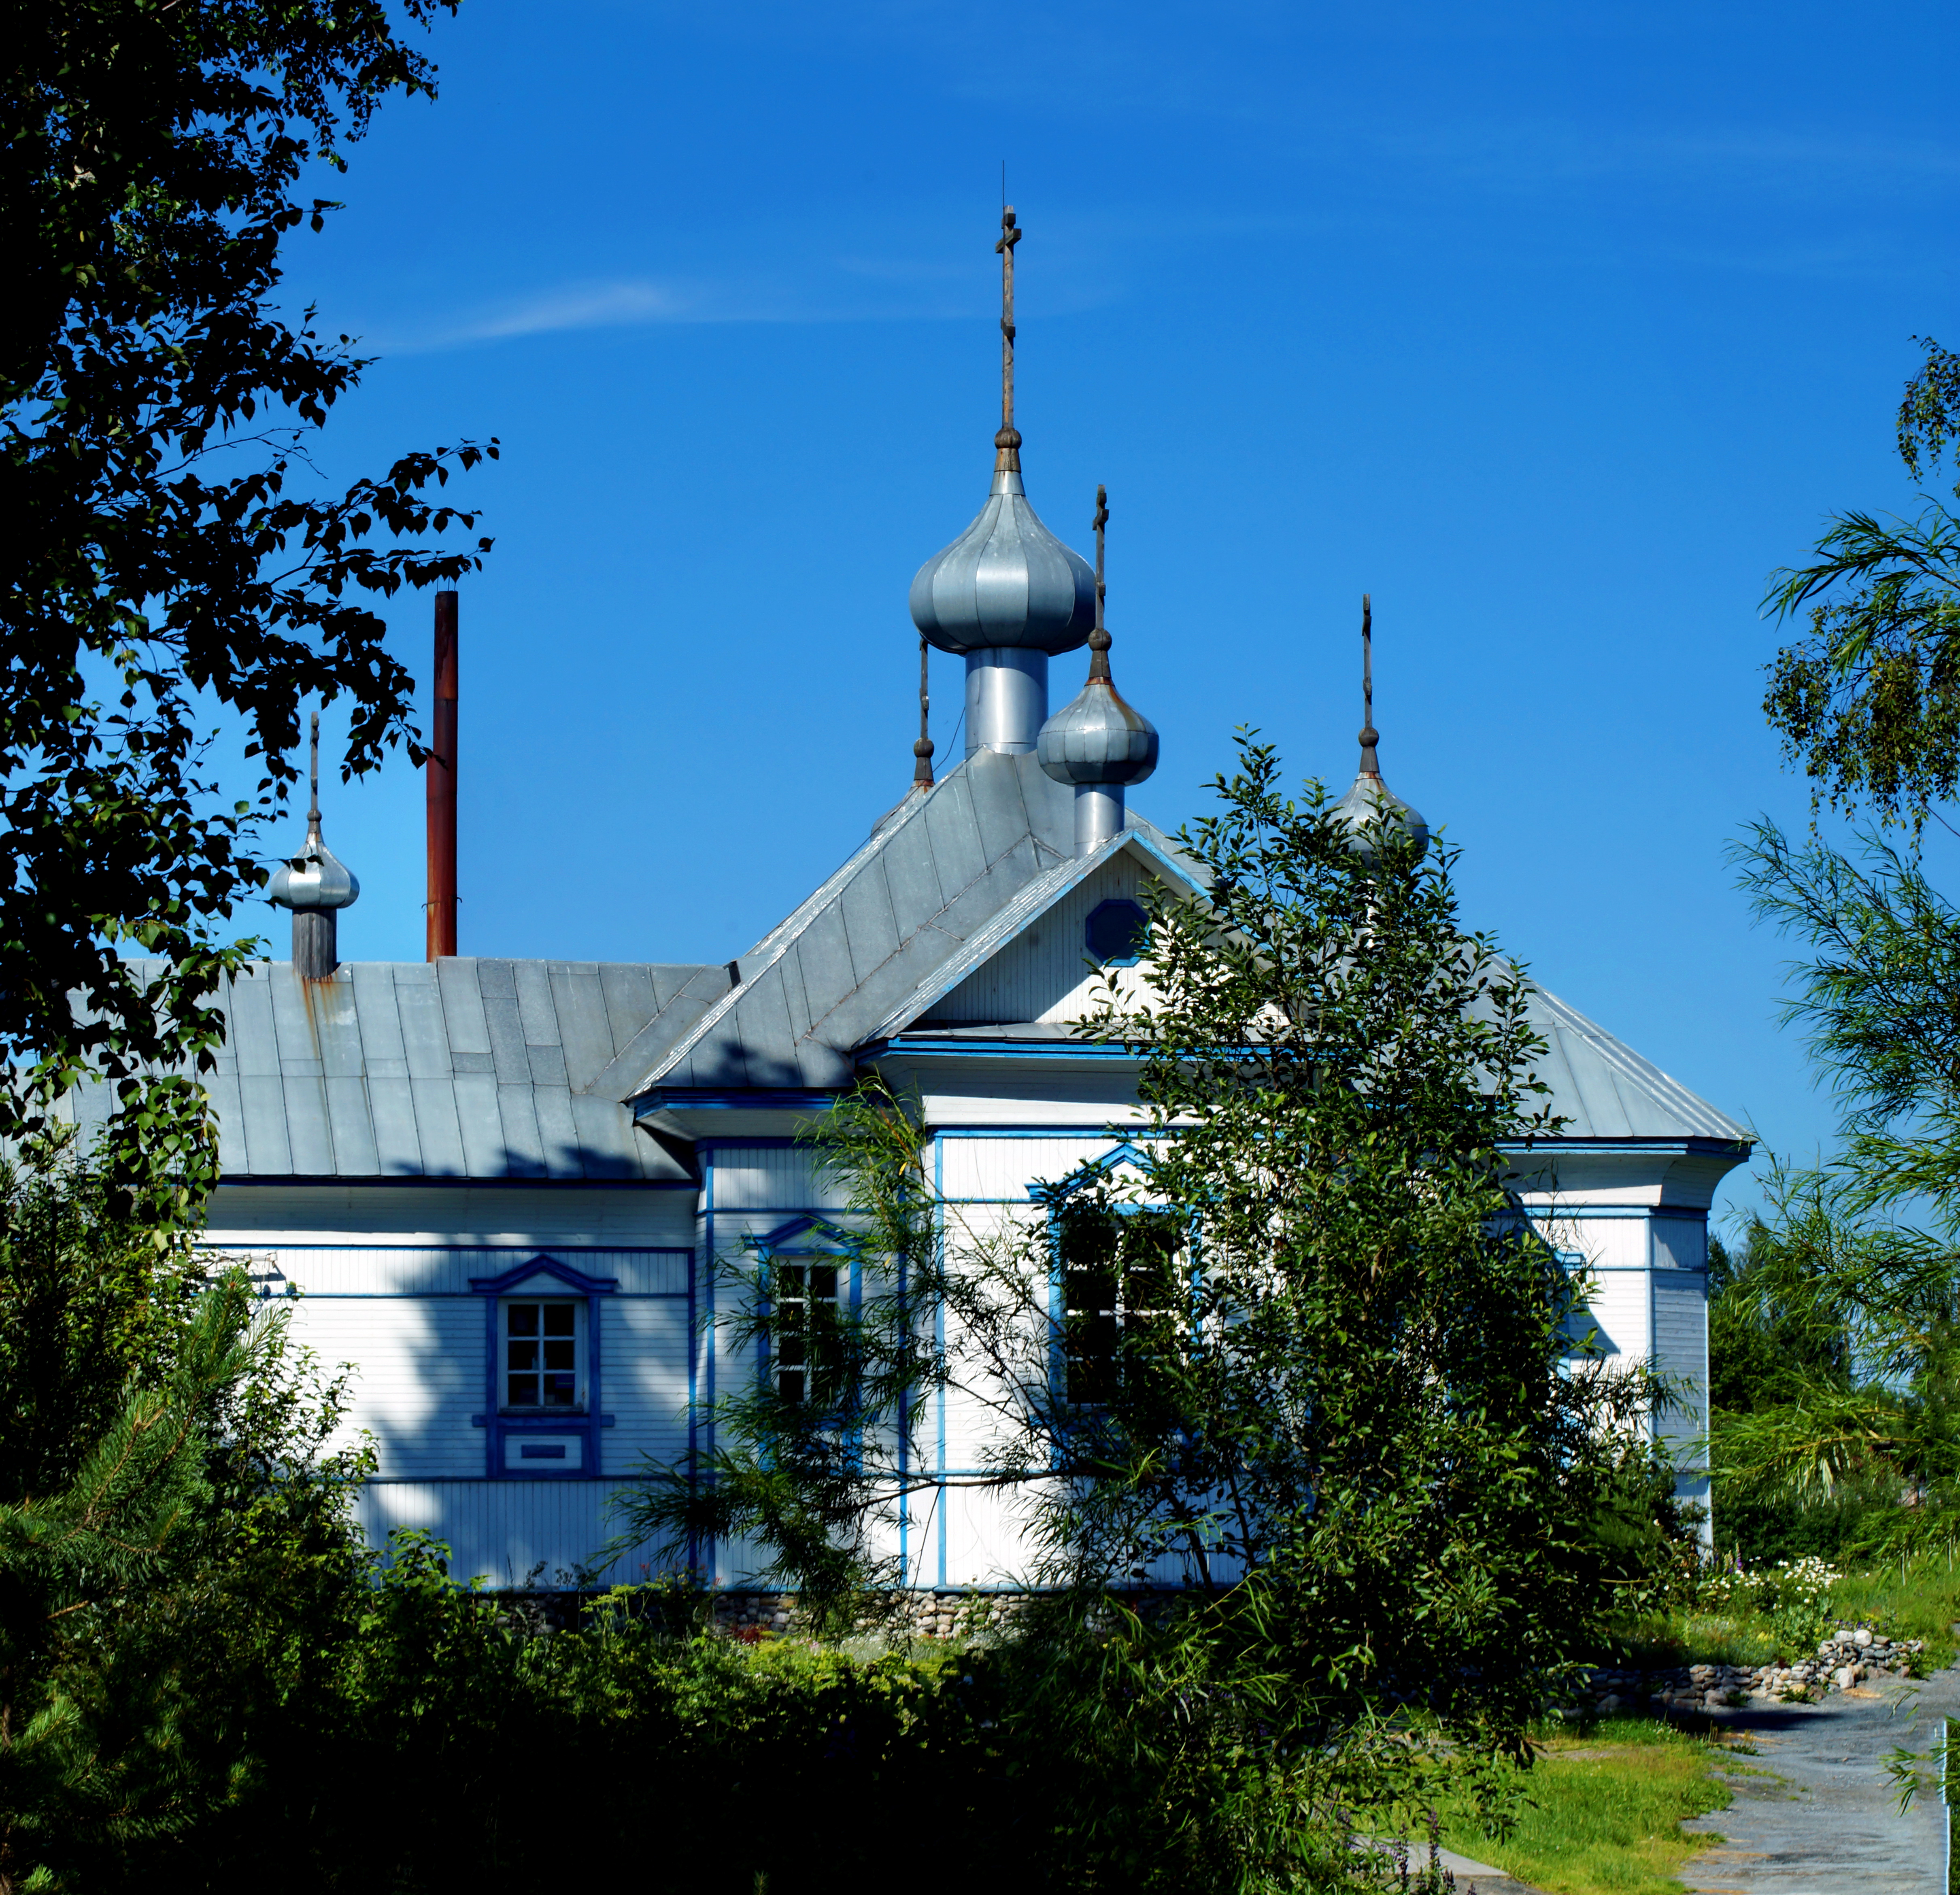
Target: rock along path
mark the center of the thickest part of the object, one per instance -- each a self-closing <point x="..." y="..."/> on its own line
<point x="1826" y="1820"/>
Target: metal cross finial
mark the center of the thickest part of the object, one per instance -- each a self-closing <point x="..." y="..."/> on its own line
<point x="1007" y="441"/>
<point x="922" y="750"/>
<point x="1370" y="736"/>
<point x="1099" y="639"/>
<point x="313" y="808"/>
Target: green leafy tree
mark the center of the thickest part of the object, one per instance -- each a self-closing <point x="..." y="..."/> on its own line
<point x="1310" y="1442"/>
<point x="1835" y="1346"/>
<point x="166" y="568"/>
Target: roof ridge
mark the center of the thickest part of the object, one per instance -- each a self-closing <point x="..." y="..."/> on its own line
<point x="770" y="951"/>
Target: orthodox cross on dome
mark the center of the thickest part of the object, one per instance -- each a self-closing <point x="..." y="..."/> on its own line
<point x="1370" y="736"/>
<point x="1099" y="639"/>
<point x="922" y="750"/>
<point x="1370" y="802"/>
<point x="1008" y="440"/>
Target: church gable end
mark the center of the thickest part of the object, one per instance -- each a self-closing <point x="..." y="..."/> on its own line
<point x="1045" y="972"/>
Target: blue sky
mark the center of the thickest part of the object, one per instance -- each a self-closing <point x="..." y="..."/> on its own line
<point x="1556" y="328"/>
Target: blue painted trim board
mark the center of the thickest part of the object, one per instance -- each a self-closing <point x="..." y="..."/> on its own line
<point x="939" y="1343"/>
<point x="734" y="1099"/>
<point x="955" y="1129"/>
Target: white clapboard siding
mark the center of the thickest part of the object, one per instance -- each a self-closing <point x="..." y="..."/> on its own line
<point x="1681" y="1351"/>
<point x="782" y="1177"/>
<point x="499" y="1530"/>
<point x="985" y="1541"/>
<point x="1616" y="1307"/>
<point x="418" y="1363"/>
<point x="1044" y="973"/>
<point x="643" y="1382"/>
<point x="629" y="1216"/>
<point x="1681" y="1243"/>
<point x="1004" y="1167"/>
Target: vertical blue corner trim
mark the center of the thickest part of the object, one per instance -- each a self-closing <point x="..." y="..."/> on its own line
<point x="939" y="1343"/>
<point x="704" y="1555"/>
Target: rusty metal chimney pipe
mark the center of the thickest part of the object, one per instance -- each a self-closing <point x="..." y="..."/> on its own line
<point x="440" y="772"/>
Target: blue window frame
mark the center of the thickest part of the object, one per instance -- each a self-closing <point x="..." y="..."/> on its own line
<point x="812" y="1281"/>
<point x="1115" y="932"/>
<point x="1119" y="1272"/>
<point x="542" y="1358"/>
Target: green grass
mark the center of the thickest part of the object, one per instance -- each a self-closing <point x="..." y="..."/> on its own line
<point x="1921" y="1602"/>
<point x="1602" y="1809"/>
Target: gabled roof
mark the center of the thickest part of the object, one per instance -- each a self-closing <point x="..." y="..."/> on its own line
<point x="944" y="871"/>
<point x="1028" y="906"/>
<point x="463" y="1068"/>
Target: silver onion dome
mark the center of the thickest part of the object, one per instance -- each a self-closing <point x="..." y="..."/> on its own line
<point x="1370" y="803"/>
<point x="1006" y="582"/>
<point x="314" y="878"/>
<point x="1099" y="743"/>
<point x="1099" y="736"/>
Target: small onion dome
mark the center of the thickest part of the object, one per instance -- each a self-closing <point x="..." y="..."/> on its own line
<point x="1099" y="738"/>
<point x="1367" y="804"/>
<point x="1006" y="581"/>
<point x="314" y="878"/>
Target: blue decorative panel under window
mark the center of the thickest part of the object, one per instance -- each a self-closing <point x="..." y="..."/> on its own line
<point x="1115" y="934"/>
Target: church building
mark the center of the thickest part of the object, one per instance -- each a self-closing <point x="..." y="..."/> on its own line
<point x="498" y="1188"/>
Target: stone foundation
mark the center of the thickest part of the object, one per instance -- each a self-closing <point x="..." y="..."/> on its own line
<point x="926" y="1615"/>
<point x="1846" y="1659"/>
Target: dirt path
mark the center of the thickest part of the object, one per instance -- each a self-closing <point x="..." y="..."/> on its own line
<point x="1826" y="1822"/>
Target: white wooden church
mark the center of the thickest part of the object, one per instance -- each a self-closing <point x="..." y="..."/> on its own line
<point x="496" y="1188"/>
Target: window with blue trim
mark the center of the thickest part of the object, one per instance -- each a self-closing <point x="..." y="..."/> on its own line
<point x="810" y="1288"/>
<point x="806" y="1336"/>
<point x="1120" y="1268"/>
<point x="543" y="1366"/>
<point x="542" y="1358"/>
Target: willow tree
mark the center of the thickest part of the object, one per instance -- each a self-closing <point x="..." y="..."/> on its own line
<point x="1860" y="1254"/>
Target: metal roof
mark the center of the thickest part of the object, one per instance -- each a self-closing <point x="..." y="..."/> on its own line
<point x="935" y="871"/>
<point x="462" y="1068"/>
<point x="1604" y="1089"/>
<point x="497" y="1068"/>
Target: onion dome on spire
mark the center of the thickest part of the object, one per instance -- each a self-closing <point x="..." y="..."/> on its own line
<point x="316" y="877"/>
<point x="1098" y="738"/>
<point x="1006" y="581"/>
<point x="1371" y="801"/>
<point x="315" y="885"/>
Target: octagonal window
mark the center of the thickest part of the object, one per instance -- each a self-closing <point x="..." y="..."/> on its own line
<point x="1115" y="934"/>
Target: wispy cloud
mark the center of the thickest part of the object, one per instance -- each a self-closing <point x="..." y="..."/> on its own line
<point x="581" y="306"/>
<point x="898" y="286"/>
<point x="587" y="303"/>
